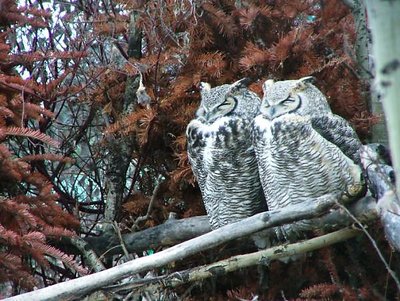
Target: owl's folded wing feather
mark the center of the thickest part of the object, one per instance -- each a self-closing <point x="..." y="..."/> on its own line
<point x="338" y="131"/>
<point x="195" y="149"/>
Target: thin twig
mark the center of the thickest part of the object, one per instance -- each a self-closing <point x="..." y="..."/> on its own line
<point x="121" y="240"/>
<point x="151" y="203"/>
<point x="373" y="242"/>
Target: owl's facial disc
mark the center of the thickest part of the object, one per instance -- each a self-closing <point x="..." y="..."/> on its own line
<point x="285" y="106"/>
<point x="221" y="109"/>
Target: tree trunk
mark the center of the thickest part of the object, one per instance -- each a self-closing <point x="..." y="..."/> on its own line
<point x="135" y="51"/>
<point x="384" y="23"/>
<point x="362" y="47"/>
<point x="121" y="148"/>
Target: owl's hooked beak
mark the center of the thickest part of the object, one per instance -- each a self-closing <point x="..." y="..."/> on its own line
<point x="269" y="112"/>
<point x="208" y="115"/>
<point x="266" y="110"/>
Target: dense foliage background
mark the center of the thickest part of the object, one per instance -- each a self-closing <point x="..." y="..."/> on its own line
<point x="95" y="97"/>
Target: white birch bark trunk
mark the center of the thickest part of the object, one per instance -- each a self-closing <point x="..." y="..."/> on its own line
<point x="384" y="23"/>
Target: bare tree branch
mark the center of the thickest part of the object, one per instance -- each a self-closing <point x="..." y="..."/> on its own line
<point x="373" y="242"/>
<point x="381" y="182"/>
<point x="170" y="233"/>
<point x="151" y="203"/>
<point x="363" y="210"/>
<point x="84" y="285"/>
<point x="241" y="261"/>
<point x="88" y="254"/>
<point x="176" y="231"/>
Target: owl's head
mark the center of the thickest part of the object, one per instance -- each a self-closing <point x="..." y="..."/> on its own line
<point x="292" y="96"/>
<point x="227" y="100"/>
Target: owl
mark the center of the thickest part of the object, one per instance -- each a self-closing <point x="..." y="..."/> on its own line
<point x="303" y="150"/>
<point x="221" y="155"/>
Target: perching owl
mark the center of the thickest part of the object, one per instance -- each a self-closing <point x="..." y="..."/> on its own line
<point x="303" y="150"/>
<point x="220" y="152"/>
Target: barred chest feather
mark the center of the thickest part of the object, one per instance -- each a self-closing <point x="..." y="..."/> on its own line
<point x="296" y="163"/>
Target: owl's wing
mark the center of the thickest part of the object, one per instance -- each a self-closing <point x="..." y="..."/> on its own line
<point x="195" y="148"/>
<point x="338" y="131"/>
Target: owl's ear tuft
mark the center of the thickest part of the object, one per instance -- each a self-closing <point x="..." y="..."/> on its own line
<point x="267" y="84"/>
<point x="304" y="81"/>
<point x="243" y="83"/>
<point x="307" y="80"/>
<point x="203" y="86"/>
<point x="240" y="84"/>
